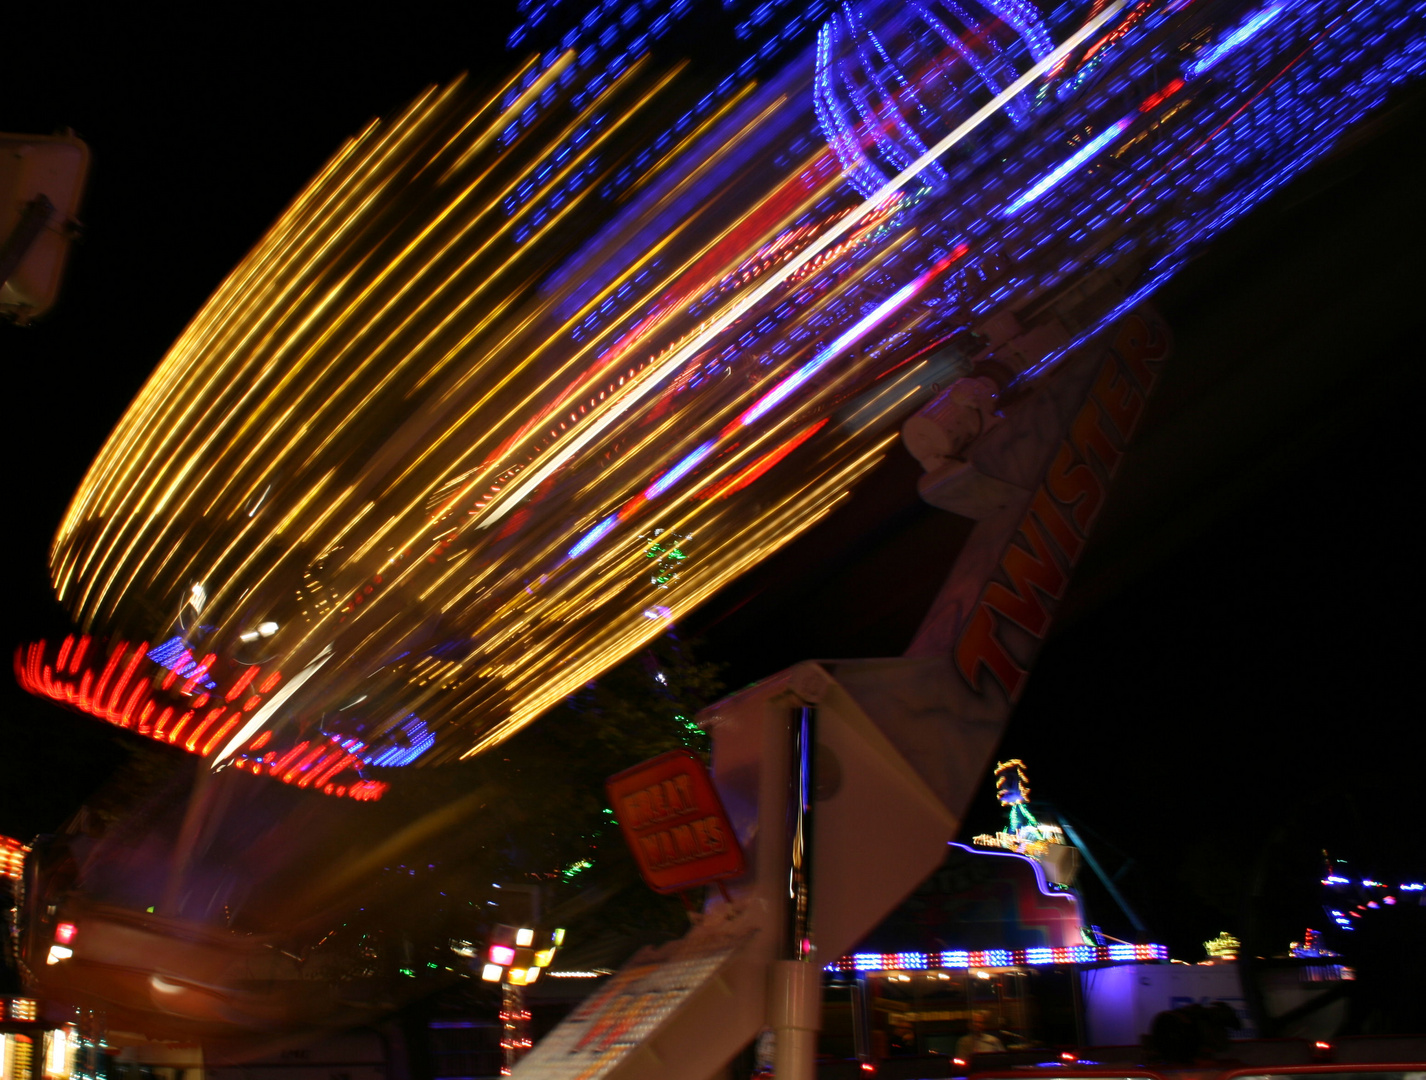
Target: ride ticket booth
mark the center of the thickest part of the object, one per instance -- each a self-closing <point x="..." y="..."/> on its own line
<point x="986" y="947"/>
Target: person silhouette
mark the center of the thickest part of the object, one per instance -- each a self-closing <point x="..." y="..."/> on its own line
<point x="977" y="1040"/>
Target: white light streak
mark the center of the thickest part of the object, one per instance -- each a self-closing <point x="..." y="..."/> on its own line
<point x="261" y="717"/>
<point x="598" y="423"/>
<point x="1069" y="165"/>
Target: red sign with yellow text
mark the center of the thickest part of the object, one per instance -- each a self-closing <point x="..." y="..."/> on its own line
<point x="674" y="822"/>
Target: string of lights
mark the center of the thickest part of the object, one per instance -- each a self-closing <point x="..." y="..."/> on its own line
<point x="1000" y="958"/>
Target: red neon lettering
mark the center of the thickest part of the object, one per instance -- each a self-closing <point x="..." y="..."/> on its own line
<point x="177" y="728"/>
<point x="1157" y="98"/>
<point x="281" y="763"/>
<point x="979" y="645"/>
<point x="213" y="714"/>
<point x="124" y="680"/>
<point x="1031" y="572"/>
<point x="315" y="763"/>
<point x="241" y="685"/>
<point x="304" y="764"/>
<point x="127" y="717"/>
<point x="114" y="659"/>
<point x="218" y="736"/>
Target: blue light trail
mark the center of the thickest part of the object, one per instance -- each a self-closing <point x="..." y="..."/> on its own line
<point x="1232" y="41"/>
<point x="679" y="471"/>
<point x="1065" y="168"/>
<point x="793" y="382"/>
<point x="593" y="536"/>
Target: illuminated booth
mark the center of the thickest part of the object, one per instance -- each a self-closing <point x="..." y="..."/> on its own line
<point x="994" y="941"/>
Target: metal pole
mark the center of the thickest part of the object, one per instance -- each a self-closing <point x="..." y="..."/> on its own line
<point x="799" y="822"/>
<point x="1104" y="878"/>
<point x="796" y="998"/>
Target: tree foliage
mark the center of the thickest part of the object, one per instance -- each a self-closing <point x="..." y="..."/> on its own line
<point x="560" y="831"/>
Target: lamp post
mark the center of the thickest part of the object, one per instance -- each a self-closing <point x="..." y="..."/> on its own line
<point x="514" y="958"/>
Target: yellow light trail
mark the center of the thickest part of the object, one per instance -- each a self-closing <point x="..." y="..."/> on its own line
<point x="424" y="386"/>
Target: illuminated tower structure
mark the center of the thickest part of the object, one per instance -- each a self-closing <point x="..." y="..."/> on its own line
<point x="1024" y="833"/>
<point x="1012" y="791"/>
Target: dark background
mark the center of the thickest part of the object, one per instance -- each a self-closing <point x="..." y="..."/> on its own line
<point x="1232" y="688"/>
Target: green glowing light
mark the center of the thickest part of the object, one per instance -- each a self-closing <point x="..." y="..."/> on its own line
<point x="576" y="868"/>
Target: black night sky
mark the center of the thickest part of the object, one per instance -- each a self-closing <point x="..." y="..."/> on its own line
<point x="1231" y="688"/>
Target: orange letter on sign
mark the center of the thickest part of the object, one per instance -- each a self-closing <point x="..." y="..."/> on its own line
<point x="1120" y="399"/>
<point x="1137" y="343"/>
<point x="1076" y="486"/>
<point x="978" y="645"/>
<point x="1030" y="573"/>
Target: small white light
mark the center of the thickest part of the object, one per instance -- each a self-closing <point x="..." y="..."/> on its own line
<point x="491" y="972"/>
<point x="58" y="953"/>
<point x="524" y="937"/>
<point x="23" y="1008"/>
<point x="267" y="629"/>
